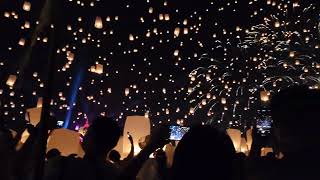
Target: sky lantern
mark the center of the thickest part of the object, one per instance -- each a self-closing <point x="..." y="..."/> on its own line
<point x="26" y="6"/>
<point x="264" y="96"/>
<point x="22" y="42"/>
<point x="127" y="91"/>
<point x="98" y="23"/>
<point x="176" y="53"/>
<point x="99" y="69"/>
<point x="161" y="17"/>
<point x="185" y="31"/>
<point x="167" y="17"/>
<point x="131" y="38"/>
<point x="176" y="31"/>
<point x="223" y="101"/>
<point x="11" y="80"/>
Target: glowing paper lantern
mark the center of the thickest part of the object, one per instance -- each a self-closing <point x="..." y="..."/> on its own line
<point x="235" y="136"/>
<point x="176" y="53"/>
<point x="39" y="102"/>
<point x="244" y="147"/>
<point x="99" y="69"/>
<point x="150" y="10"/>
<point x="93" y="69"/>
<point x="264" y="96"/>
<point x="266" y="150"/>
<point x="167" y="17"/>
<point x="161" y="17"/>
<point x="34" y="115"/>
<point x="70" y="56"/>
<point x="11" y="80"/>
<point x="98" y="23"/>
<point x="26" y="6"/>
<point x="22" y="42"/>
<point x="223" y="101"/>
<point x="277" y="24"/>
<point x="127" y="91"/>
<point x="131" y="38"/>
<point x="185" y="31"/>
<point x="138" y="127"/>
<point x="249" y="138"/>
<point x="65" y="140"/>
<point x="176" y="31"/>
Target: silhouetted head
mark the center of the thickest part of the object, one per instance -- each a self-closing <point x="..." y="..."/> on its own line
<point x="114" y="156"/>
<point x="204" y="153"/>
<point x="52" y="153"/>
<point x="161" y="157"/>
<point x="296" y="115"/>
<point x="102" y="136"/>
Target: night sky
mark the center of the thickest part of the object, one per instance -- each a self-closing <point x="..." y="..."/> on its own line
<point x="199" y="61"/>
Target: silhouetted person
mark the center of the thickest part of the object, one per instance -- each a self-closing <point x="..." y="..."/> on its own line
<point x="296" y="115"/>
<point x="53" y="153"/>
<point x="101" y="137"/>
<point x="114" y="156"/>
<point x="204" y="153"/>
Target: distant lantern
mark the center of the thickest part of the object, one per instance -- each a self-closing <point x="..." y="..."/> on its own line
<point x="22" y="42"/>
<point x="150" y="10"/>
<point x="191" y="111"/>
<point x="127" y="91"/>
<point x="93" y="69"/>
<point x="208" y="95"/>
<point x="161" y="17"/>
<point x="291" y="54"/>
<point x="176" y="53"/>
<point x="131" y="38"/>
<point x="176" y="31"/>
<point x="264" y="96"/>
<point x="167" y="17"/>
<point x="70" y="56"/>
<point x="98" y="23"/>
<point x="223" y="101"/>
<point x="277" y="24"/>
<point x="204" y="102"/>
<point x="185" y="21"/>
<point x="11" y="80"/>
<point x="27" y="25"/>
<point x="189" y="90"/>
<point x="185" y="31"/>
<point x="99" y="68"/>
<point x="26" y="6"/>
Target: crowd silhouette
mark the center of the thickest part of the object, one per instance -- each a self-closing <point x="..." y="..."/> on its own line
<point x="204" y="153"/>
